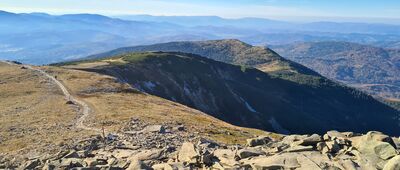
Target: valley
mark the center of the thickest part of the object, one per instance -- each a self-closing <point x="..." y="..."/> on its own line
<point x="372" y="69"/>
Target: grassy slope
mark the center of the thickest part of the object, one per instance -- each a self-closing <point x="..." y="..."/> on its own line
<point x="33" y="114"/>
<point x="320" y="104"/>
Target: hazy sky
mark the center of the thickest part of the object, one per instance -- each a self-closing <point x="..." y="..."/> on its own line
<point x="223" y="8"/>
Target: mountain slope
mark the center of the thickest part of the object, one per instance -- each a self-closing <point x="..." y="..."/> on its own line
<point x="373" y="69"/>
<point x="246" y="96"/>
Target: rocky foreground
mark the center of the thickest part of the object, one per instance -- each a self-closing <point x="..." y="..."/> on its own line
<point x="161" y="147"/>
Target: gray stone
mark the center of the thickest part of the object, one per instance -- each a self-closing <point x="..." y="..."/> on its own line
<point x="299" y="148"/>
<point x="349" y="165"/>
<point x="245" y="153"/>
<point x="311" y="140"/>
<point x="170" y="166"/>
<point x="262" y="140"/>
<point x="188" y="153"/>
<point x="379" y="136"/>
<point x="71" y="163"/>
<point x="207" y="143"/>
<point x="138" y="165"/>
<point x="335" y="134"/>
<point x="152" y="154"/>
<point x="283" y="161"/>
<point x="154" y="129"/>
<point x="226" y="157"/>
<point x="348" y="134"/>
<point x="290" y="139"/>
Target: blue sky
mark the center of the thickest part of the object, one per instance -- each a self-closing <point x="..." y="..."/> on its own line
<point x="223" y="8"/>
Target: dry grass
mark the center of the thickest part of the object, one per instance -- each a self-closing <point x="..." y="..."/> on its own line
<point x="33" y="114"/>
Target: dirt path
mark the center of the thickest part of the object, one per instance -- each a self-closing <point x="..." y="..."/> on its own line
<point x="85" y="109"/>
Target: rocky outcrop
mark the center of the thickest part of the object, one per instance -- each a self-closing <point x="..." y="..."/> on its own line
<point x="334" y="150"/>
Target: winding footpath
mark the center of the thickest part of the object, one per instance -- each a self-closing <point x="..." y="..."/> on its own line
<point x="85" y="109"/>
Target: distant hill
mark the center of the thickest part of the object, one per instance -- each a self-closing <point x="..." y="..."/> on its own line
<point x="373" y="69"/>
<point x="229" y="51"/>
<point x="272" y="25"/>
<point x="246" y="96"/>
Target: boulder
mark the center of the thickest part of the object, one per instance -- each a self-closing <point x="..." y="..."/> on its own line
<point x="299" y="148"/>
<point x="374" y="152"/>
<point x="138" y="165"/>
<point x="152" y="154"/>
<point x="393" y="164"/>
<point x="290" y="139"/>
<point x="188" y="153"/>
<point x="207" y="143"/>
<point x="335" y="134"/>
<point x="348" y="134"/>
<point x="349" y="165"/>
<point x="380" y="137"/>
<point x="306" y="163"/>
<point x="245" y="153"/>
<point x="262" y="140"/>
<point x="311" y="140"/>
<point x="91" y="162"/>
<point x="154" y="129"/>
<point x="123" y="153"/>
<point x="69" y="163"/>
<point x="226" y="157"/>
<point x="282" y="161"/>
<point x="170" y="166"/>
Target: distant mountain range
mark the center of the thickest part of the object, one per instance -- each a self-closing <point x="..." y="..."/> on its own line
<point x="274" y="100"/>
<point x="267" y="24"/>
<point x="40" y="38"/>
<point x="373" y="69"/>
